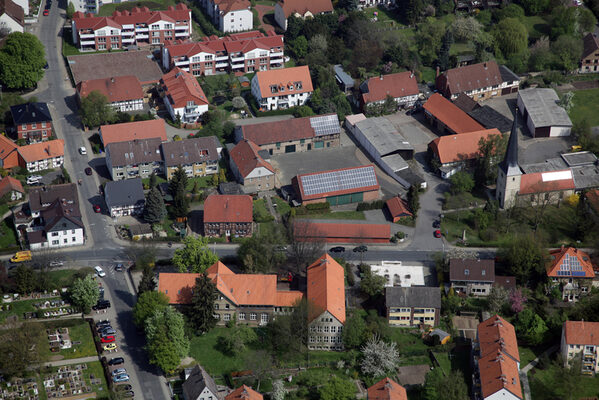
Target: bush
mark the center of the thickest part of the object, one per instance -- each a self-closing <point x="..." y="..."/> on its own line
<point x="374" y="205"/>
<point x="318" y="206"/>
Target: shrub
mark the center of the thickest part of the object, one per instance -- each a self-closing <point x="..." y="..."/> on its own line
<point x="318" y="206"/>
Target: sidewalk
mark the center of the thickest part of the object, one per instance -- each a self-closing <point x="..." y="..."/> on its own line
<point x="72" y="361"/>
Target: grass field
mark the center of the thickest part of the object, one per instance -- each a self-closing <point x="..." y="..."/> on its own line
<point x="536" y="26"/>
<point x="107" y="9"/>
<point x="80" y="332"/>
<point x="352" y="215"/>
<point x="8" y="237"/>
<point x="544" y="384"/>
<point x="260" y="211"/>
<point x="283" y="207"/>
<point x="64" y="277"/>
<point x="585" y="102"/>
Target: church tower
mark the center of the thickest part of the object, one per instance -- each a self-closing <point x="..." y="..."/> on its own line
<point x="509" y="173"/>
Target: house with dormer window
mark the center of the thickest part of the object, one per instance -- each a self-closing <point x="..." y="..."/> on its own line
<point x="282" y="88"/>
<point x="572" y="271"/>
<point x="183" y="96"/>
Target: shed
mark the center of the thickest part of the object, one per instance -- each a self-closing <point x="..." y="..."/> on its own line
<point x="543" y="114"/>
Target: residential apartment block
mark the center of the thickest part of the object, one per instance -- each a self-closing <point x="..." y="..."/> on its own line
<point x="479" y="81"/>
<point x="228" y="215"/>
<point x="581" y="339"/>
<point x="197" y="156"/>
<point x="411" y="306"/>
<point x="229" y="15"/>
<point x="402" y="87"/>
<point x="571" y="270"/>
<point x="239" y="52"/>
<point x="589" y="61"/>
<point x="326" y="296"/>
<point x="183" y="96"/>
<point x="124" y="93"/>
<point x="301" y="9"/>
<point x="138" y="158"/>
<point x="472" y="277"/>
<point x="293" y="135"/>
<point x="250" y="299"/>
<point x="496" y="361"/>
<point x="53" y="218"/>
<point x="250" y="169"/>
<point x="282" y="88"/>
<point x="43" y="155"/>
<point x="124" y="197"/>
<point x="32" y="121"/>
<point x="139" y="27"/>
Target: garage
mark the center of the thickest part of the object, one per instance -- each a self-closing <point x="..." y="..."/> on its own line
<point x="543" y="115"/>
<point x="290" y="148"/>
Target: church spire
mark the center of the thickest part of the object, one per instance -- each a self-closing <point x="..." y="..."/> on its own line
<point x="509" y="165"/>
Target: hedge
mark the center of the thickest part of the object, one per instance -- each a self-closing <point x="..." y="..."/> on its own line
<point x="375" y="205"/>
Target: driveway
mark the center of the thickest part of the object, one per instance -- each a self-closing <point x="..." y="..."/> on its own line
<point x="262" y="11"/>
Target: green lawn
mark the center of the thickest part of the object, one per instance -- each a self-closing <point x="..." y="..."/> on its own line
<point x="204" y="350"/>
<point x="107" y="9"/>
<point x="585" y="106"/>
<point x="536" y="26"/>
<point x="462" y="200"/>
<point x="80" y="332"/>
<point x="527" y="354"/>
<point x="544" y="384"/>
<point x="412" y="349"/>
<point x="8" y="237"/>
<point x="261" y="213"/>
<point x="428" y="74"/>
<point x="64" y="277"/>
<point x="352" y="215"/>
<point x="383" y="16"/>
<point x="283" y="207"/>
<point x="461" y="48"/>
<point x="19" y="308"/>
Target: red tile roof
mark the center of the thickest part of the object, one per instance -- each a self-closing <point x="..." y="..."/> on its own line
<point x="581" y="332"/>
<point x="340" y="232"/>
<point x="244" y="393"/>
<point x="284" y="78"/>
<point x="541" y="182"/>
<point x="228" y="208"/>
<point x="398" y="208"/>
<point x="326" y="288"/>
<point x="450" y="115"/>
<point x="469" y="77"/>
<point x="387" y="389"/>
<point x="498" y="371"/>
<point x="181" y="87"/>
<point x="135" y="16"/>
<point x="227" y="6"/>
<point x="496" y="334"/>
<point x="9" y="155"/>
<point x="279" y="131"/>
<point x="9" y="184"/>
<point x="396" y="85"/>
<point x="570" y="262"/>
<point x="154" y="128"/>
<point x="42" y="151"/>
<point x="335" y="182"/>
<point x="460" y="147"/>
<point x="241" y="289"/>
<point x="302" y="6"/>
<point x="246" y="158"/>
<point x="120" y="88"/>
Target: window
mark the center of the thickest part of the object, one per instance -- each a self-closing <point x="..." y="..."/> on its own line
<point x="264" y="318"/>
<point x="43" y="124"/>
<point x="54" y="233"/>
<point x="253" y="316"/>
<point x="208" y="57"/>
<point x="114" y="45"/>
<point x="155" y="40"/>
<point x="33" y="125"/>
<point x="216" y="306"/>
<point x="155" y="26"/>
<point x="101" y="47"/>
<point x="73" y="239"/>
<point x="102" y="40"/>
<point x="24" y="126"/>
<point x="326" y="329"/>
<point x="65" y="240"/>
<point x="226" y="306"/>
<point x="241" y="316"/>
<point x="312" y="339"/>
<point x="333" y="329"/>
<point x="227" y="317"/>
<point x="168" y="26"/>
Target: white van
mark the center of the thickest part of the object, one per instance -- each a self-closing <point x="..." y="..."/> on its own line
<point x="33" y="179"/>
<point x="99" y="271"/>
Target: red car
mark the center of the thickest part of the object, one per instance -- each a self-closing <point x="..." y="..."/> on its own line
<point x="107" y="339"/>
<point x="97" y="208"/>
<point x="46" y="12"/>
<point x="437" y="233"/>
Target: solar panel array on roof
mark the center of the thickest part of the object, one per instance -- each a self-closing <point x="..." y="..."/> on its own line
<point x="333" y="181"/>
<point x="325" y="125"/>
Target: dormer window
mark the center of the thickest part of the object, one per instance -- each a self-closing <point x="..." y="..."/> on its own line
<point x="298" y="85"/>
<point x="273" y="89"/>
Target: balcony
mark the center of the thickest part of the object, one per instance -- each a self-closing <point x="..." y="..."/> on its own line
<point x="87" y="42"/>
<point x="181" y="27"/>
<point x="127" y="33"/>
<point x="221" y="64"/>
<point x="128" y="40"/>
<point x="87" y="36"/>
<point x="236" y="66"/>
<point x="142" y="29"/>
<point x="222" y="58"/>
<point x="182" y="33"/>
<point x="237" y="59"/>
<point x="181" y="63"/>
<point x="277" y="54"/>
<point x="138" y="36"/>
<point x="276" y="61"/>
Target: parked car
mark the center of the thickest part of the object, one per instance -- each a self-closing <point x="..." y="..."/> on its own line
<point x="107" y="332"/>
<point x="99" y="271"/>
<point x="56" y="263"/>
<point x="437" y="233"/>
<point x="119" y="371"/>
<point x="88" y="171"/>
<point x="101" y="305"/>
<point x="337" y="249"/>
<point x="360" y="249"/>
<point x="119" y="267"/>
<point x="46" y="12"/>
<point x="97" y="208"/>
<point x="116" y="361"/>
<point x="33" y="179"/>
<point x="109" y="347"/>
<point x="107" y="339"/>
<point x="82" y="151"/>
<point x="437" y="224"/>
<point x="120" y="378"/>
<point x="102" y="322"/>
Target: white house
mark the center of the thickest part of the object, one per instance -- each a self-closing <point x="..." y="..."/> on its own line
<point x="282" y="88"/>
<point x="229" y="15"/>
<point x="398" y="274"/>
<point x="199" y="385"/>
<point x="12" y="16"/>
<point x="183" y="96"/>
<point x="43" y="155"/>
<point x="124" y="197"/>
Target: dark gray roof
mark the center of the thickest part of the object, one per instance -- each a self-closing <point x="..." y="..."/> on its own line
<point x="136" y="151"/>
<point x="41" y="198"/>
<point x="410" y="176"/>
<point x="140" y="229"/>
<point x="579" y="158"/>
<point x="489" y="118"/>
<point x="585" y="176"/>
<point x="416" y="296"/>
<point x="551" y="164"/>
<point x="342" y="76"/>
<point x="507" y="75"/>
<point x="124" y="193"/>
<point x="472" y="270"/>
<point x="465" y="102"/>
<point x="543" y="107"/>
<point x="229" y="188"/>
<point x="197" y="381"/>
<point x="30" y="112"/>
<point x="190" y="151"/>
<point x="509" y="165"/>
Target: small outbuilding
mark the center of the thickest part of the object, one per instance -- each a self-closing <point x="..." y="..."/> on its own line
<point x="543" y="114"/>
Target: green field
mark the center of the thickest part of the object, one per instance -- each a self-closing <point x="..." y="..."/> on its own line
<point x="585" y="106"/>
<point x="545" y="384"/>
<point x="260" y="212"/>
<point x="536" y="26"/>
<point x="283" y="207"/>
<point x="107" y="9"/>
<point x="8" y="237"/>
<point x="80" y="332"/>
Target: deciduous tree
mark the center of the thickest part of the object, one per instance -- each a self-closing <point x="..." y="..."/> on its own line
<point x="439" y="386"/>
<point x="202" y="304"/>
<point x="84" y="293"/>
<point x="354" y="332"/>
<point x="94" y="110"/>
<point x="491" y="150"/>
<point x="371" y="283"/>
<point x="465" y="28"/>
<point x="414" y="200"/>
<point x="170" y="321"/>
<point x="461" y="182"/>
<point x="526" y="258"/>
<point x="530" y="327"/>
<point x="21" y="347"/>
<point x="511" y="37"/>
<point x="22" y="60"/>
<point x="24" y="279"/>
<point x="378" y="357"/>
<point x="497" y="298"/>
<point x="70" y="10"/>
<point x="337" y="389"/>
<point x="146" y="305"/>
<point x="194" y="256"/>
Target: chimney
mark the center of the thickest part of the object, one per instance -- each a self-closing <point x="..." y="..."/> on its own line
<point x="112" y="79"/>
<point x="411" y="74"/>
<point x="437" y="74"/>
<point x="485" y="65"/>
<point x="381" y="77"/>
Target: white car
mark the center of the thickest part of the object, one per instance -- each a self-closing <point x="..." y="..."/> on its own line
<point x="82" y="151"/>
<point x="99" y="271"/>
<point x="33" y="179"/>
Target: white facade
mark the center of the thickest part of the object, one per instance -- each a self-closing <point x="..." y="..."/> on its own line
<point x="14" y="195"/>
<point x="129" y="105"/>
<point x="120" y="211"/>
<point x="407" y="101"/>
<point x="325" y="333"/>
<point x="502" y="394"/>
<point x="48" y="163"/>
<point x="11" y="24"/>
<point x="236" y="21"/>
<point x="188" y="114"/>
<point x="280" y="101"/>
<point x="398" y="274"/>
<point x="58" y="239"/>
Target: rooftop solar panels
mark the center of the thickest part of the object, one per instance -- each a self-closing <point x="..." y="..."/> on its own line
<point x="325" y="125"/>
<point x="338" y="180"/>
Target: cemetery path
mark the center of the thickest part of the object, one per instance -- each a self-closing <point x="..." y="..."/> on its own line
<point x="72" y="361"/>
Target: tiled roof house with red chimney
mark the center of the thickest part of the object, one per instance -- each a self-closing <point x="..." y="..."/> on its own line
<point x="228" y="215"/>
